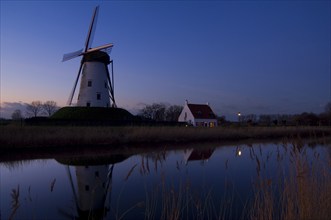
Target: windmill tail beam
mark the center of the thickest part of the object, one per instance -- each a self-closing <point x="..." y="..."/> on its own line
<point x="111" y="84"/>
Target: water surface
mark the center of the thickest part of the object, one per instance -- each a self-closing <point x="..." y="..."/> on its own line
<point x="203" y="181"/>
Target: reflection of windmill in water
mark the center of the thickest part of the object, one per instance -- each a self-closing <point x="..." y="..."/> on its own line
<point x="91" y="184"/>
<point x="96" y="84"/>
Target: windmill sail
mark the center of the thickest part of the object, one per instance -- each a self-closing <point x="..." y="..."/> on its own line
<point x="90" y="34"/>
<point x="69" y="56"/>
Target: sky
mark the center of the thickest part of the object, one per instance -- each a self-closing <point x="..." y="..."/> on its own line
<point x="253" y="57"/>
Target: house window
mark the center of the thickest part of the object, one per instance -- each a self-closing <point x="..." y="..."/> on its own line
<point x="96" y="174"/>
<point x="106" y="85"/>
<point x="87" y="187"/>
<point x="98" y="96"/>
<point x="89" y="83"/>
<point x="185" y="116"/>
<point x="88" y="104"/>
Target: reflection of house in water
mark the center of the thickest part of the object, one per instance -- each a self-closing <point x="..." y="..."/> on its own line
<point x="198" y="154"/>
<point x="92" y="188"/>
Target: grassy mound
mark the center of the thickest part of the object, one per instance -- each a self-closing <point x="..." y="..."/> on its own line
<point x="92" y="113"/>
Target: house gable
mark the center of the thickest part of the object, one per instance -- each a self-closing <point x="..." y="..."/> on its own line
<point x="186" y="115"/>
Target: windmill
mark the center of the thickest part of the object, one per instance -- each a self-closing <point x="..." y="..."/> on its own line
<point x="96" y="84"/>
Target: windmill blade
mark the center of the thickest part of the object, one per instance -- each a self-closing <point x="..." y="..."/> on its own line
<point x="107" y="50"/>
<point x="109" y="183"/>
<point x="103" y="47"/>
<point x="91" y="31"/>
<point x="74" y="88"/>
<point x="72" y="185"/>
<point x="69" y="56"/>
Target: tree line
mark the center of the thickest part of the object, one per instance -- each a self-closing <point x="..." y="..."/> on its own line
<point x="36" y="109"/>
<point x="160" y="112"/>
<point x="305" y="118"/>
<point x="163" y="112"/>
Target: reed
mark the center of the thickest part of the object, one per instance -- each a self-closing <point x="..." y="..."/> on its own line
<point x="15" y="194"/>
<point x="300" y="191"/>
<point x="14" y="137"/>
<point x="303" y="193"/>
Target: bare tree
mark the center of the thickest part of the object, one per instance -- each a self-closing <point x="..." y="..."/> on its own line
<point x="173" y="112"/>
<point x="50" y="107"/>
<point x="34" y="109"/>
<point x="161" y="112"/>
<point x="17" y="115"/>
<point x="156" y="111"/>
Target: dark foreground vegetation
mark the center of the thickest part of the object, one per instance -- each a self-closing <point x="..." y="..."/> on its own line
<point x="16" y="137"/>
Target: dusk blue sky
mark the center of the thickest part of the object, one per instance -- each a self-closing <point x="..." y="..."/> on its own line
<point x="260" y="57"/>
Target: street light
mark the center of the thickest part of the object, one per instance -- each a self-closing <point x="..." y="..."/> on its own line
<point x="239" y="114"/>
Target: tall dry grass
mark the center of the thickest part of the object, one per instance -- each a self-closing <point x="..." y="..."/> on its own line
<point x="300" y="188"/>
<point x="303" y="192"/>
<point x="40" y="136"/>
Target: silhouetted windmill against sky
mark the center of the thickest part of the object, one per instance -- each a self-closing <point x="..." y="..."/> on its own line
<point x="96" y="85"/>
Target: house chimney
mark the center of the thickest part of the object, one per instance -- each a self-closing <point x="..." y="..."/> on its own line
<point x="207" y="103"/>
<point x="186" y="102"/>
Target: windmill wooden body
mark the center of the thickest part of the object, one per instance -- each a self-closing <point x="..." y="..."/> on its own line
<point x="96" y="84"/>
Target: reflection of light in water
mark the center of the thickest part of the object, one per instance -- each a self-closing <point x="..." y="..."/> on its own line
<point x="239" y="152"/>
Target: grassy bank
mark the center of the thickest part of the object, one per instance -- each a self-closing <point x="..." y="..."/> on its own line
<point x="15" y="137"/>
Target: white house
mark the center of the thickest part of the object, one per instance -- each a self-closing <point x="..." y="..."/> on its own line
<point x="199" y="115"/>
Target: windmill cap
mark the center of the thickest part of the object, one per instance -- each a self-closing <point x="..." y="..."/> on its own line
<point x="97" y="56"/>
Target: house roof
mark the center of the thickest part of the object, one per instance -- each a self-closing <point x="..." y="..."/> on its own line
<point x="201" y="111"/>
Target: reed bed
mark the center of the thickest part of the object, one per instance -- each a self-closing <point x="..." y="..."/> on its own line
<point x="303" y="193"/>
<point x="301" y="189"/>
<point x="40" y="136"/>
